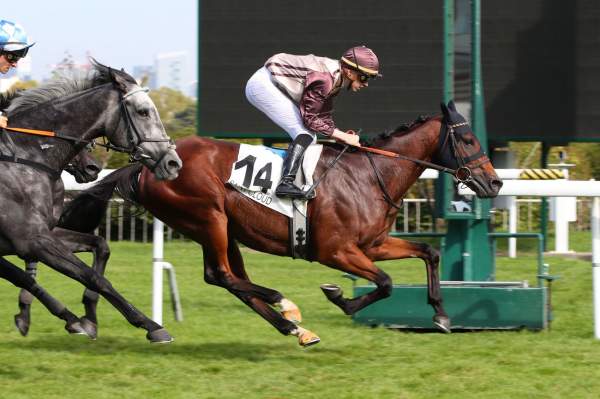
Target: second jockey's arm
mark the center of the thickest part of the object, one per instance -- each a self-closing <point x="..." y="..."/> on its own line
<point x="3" y="121"/>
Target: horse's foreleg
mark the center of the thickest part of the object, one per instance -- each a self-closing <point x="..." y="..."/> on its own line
<point x="218" y="271"/>
<point x="218" y="275"/>
<point x="395" y="248"/>
<point x="23" y="318"/>
<point x="82" y="242"/>
<point x="21" y="279"/>
<point x="53" y="253"/>
<point x="352" y="260"/>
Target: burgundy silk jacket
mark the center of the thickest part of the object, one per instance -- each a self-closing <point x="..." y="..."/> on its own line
<point x="311" y="82"/>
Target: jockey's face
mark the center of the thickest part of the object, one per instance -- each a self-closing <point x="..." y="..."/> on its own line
<point x="356" y="80"/>
<point x="7" y="61"/>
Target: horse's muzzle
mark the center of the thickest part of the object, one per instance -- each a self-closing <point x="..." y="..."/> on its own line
<point x="167" y="168"/>
<point x="484" y="186"/>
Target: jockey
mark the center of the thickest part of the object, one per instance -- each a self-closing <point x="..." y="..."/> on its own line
<point x="13" y="46"/>
<point x="297" y="91"/>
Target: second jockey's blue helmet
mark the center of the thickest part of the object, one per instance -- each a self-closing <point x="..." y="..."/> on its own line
<point x="13" y="38"/>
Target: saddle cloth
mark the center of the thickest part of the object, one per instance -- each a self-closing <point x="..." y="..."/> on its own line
<point x="257" y="171"/>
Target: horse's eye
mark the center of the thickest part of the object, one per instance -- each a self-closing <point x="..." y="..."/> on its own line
<point x="144" y="113"/>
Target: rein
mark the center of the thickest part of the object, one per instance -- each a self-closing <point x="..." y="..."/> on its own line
<point x="136" y="138"/>
<point x="391" y="154"/>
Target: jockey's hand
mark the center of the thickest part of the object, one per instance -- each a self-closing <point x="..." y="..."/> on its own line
<point x="349" y="138"/>
<point x="3" y="122"/>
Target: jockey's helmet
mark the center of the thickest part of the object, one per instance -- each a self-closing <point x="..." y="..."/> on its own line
<point x="13" y="39"/>
<point x="363" y="60"/>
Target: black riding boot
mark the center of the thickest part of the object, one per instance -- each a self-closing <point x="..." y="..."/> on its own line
<point x="291" y="164"/>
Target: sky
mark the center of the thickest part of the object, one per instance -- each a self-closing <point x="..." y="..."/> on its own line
<point x="118" y="33"/>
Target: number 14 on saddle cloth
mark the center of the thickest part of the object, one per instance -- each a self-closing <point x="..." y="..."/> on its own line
<point x="257" y="171"/>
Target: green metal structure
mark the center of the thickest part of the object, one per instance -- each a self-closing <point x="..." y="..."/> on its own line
<point x="472" y="297"/>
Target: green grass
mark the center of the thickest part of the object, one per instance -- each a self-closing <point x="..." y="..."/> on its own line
<point x="224" y="350"/>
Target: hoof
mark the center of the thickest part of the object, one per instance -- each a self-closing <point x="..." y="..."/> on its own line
<point x="443" y="323"/>
<point x="160" y="336"/>
<point x="292" y="315"/>
<point x="76" y="329"/>
<point x="308" y="338"/>
<point x="90" y="327"/>
<point x="331" y="291"/>
<point x="22" y="325"/>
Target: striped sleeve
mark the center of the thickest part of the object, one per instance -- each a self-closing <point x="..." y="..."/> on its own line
<point x="316" y="106"/>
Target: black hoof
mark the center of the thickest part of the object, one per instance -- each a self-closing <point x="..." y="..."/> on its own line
<point x="22" y="325"/>
<point x="90" y="327"/>
<point x="160" y="336"/>
<point x="76" y="329"/>
<point x="443" y="323"/>
<point x="332" y="291"/>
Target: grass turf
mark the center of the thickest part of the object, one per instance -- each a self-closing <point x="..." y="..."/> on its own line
<point x="224" y="350"/>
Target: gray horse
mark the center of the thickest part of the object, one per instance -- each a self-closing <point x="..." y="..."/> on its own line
<point x="77" y="109"/>
<point x="85" y="168"/>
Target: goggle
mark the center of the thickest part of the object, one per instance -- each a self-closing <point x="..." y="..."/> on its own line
<point x="14" y="56"/>
<point x="11" y="57"/>
<point x="363" y="78"/>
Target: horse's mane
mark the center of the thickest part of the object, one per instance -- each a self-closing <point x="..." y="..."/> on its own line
<point x="64" y="84"/>
<point x="6" y="98"/>
<point x="399" y="130"/>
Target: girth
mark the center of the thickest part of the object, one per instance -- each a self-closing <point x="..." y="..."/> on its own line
<point x="54" y="174"/>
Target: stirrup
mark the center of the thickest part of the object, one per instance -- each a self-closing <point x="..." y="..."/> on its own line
<point x="290" y="191"/>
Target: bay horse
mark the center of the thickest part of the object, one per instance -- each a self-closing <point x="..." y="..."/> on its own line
<point x="350" y="217"/>
<point x="73" y="111"/>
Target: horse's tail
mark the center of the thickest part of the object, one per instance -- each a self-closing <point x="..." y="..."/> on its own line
<point x="84" y="213"/>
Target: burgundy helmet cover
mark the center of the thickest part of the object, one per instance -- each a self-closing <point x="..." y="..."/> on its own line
<point x="362" y="59"/>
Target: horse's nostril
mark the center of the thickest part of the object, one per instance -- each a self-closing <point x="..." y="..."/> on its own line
<point x="173" y="164"/>
<point x="497" y="183"/>
<point x="91" y="169"/>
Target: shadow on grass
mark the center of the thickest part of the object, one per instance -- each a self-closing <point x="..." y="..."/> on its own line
<point x="199" y="351"/>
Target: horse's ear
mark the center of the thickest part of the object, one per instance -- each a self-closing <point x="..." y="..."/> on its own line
<point x="103" y="69"/>
<point x="118" y="80"/>
<point x="445" y="111"/>
<point x="451" y="105"/>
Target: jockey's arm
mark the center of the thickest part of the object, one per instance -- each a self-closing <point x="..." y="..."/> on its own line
<point x="348" y="138"/>
<point x="3" y="120"/>
<point x="316" y="107"/>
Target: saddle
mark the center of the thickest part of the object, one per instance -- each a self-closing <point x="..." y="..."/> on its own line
<point x="255" y="174"/>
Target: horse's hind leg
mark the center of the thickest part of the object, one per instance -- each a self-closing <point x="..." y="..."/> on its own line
<point x="23" y="318"/>
<point x="19" y="278"/>
<point x="82" y="242"/>
<point x="288" y="309"/>
<point x="395" y="248"/>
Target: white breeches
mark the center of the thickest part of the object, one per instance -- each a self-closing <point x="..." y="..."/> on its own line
<point x="264" y="95"/>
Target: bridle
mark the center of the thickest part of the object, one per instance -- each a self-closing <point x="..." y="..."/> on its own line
<point x="462" y="174"/>
<point x="134" y="137"/>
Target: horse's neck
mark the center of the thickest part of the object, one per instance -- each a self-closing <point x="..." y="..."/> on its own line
<point x="420" y="144"/>
<point x="79" y="118"/>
